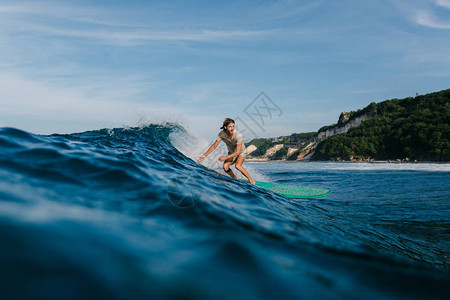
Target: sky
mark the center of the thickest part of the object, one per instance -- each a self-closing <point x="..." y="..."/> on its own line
<point x="275" y="67"/>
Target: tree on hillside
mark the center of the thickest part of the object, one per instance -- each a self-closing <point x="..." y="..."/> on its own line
<point x="417" y="128"/>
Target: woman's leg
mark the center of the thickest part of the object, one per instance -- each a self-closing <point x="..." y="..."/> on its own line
<point x="239" y="166"/>
<point x="226" y="167"/>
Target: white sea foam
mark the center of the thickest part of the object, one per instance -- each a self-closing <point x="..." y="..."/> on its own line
<point x="193" y="147"/>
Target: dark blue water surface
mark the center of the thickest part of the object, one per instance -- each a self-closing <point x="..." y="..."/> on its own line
<point x="122" y="214"/>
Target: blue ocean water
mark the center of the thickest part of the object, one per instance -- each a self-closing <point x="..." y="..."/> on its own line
<point x="124" y="214"/>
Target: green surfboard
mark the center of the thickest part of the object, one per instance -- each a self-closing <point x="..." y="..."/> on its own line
<point x="293" y="191"/>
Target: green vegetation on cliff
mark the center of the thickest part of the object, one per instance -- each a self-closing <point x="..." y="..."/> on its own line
<point x="293" y="140"/>
<point x="417" y="128"/>
<point x="279" y="154"/>
<point x="301" y="137"/>
<point x="294" y="155"/>
<point x="262" y="145"/>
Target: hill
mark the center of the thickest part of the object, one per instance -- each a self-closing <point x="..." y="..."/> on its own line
<point x="397" y="129"/>
<point x="411" y="128"/>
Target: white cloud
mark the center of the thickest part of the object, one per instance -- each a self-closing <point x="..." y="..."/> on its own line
<point x="424" y="13"/>
<point x="443" y="3"/>
<point x="126" y="37"/>
<point x="97" y="25"/>
<point x="131" y="37"/>
<point x="44" y="108"/>
<point x="427" y="19"/>
<point x="117" y="26"/>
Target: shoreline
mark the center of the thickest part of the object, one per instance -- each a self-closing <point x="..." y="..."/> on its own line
<point x="349" y="161"/>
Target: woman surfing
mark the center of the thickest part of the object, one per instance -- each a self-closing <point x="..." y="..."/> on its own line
<point x="236" y="149"/>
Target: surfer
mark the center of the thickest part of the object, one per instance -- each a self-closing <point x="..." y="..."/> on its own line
<point x="236" y="149"/>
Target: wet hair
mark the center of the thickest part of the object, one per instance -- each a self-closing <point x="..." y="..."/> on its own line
<point x="226" y="122"/>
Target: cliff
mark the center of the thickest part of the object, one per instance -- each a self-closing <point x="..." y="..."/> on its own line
<point x="344" y="125"/>
<point x="301" y="146"/>
<point x="410" y="129"/>
<point x="400" y="130"/>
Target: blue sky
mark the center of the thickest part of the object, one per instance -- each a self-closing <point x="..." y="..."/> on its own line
<point x="69" y="66"/>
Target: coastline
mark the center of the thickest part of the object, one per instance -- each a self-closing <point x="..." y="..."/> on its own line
<point x="397" y="161"/>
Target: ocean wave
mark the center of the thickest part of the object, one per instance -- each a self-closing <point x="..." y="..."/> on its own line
<point x="114" y="210"/>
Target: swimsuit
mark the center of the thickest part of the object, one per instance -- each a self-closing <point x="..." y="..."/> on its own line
<point x="232" y="143"/>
